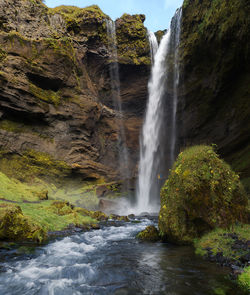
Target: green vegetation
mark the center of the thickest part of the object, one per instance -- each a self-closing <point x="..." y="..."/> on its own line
<point x="222" y="241"/>
<point x="27" y="214"/>
<point x="132" y="41"/>
<point x="45" y="95"/>
<point x="244" y="279"/>
<point x="150" y="233"/>
<point x="3" y="54"/>
<point x="31" y="165"/>
<point x="89" y="20"/>
<point x="202" y="193"/>
<point x="17" y="227"/>
<point x="62" y="46"/>
<point x="14" y="190"/>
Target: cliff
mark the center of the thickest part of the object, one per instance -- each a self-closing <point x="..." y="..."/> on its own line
<point x="57" y="119"/>
<point x="215" y="82"/>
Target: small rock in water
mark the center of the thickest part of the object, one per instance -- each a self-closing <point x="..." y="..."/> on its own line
<point x="144" y="214"/>
<point x="131" y="216"/>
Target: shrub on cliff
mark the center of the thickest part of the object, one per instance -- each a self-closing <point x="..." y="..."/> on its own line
<point x="202" y="193"/>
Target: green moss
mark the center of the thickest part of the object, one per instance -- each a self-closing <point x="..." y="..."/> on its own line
<point x="32" y="164"/>
<point x="3" y="54"/>
<point x="244" y="279"/>
<point x="62" y="46"/>
<point x="221" y="241"/>
<point x="12" y="36"/>
<point x="27" y="214"/>
<point x="14" y="190"/>
<point x="93" y="214"/>
<point x="17" y="227"/>
<point x="132" y="41"/>
<point x="45" y="95"/>
<point x="89" y="21"/>
<point x="202" y="193"/>
<point x="150" y="233"/>
<point x="17" y="127"/>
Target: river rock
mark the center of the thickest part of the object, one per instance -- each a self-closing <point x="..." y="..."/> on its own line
<point x="150" y="233"/>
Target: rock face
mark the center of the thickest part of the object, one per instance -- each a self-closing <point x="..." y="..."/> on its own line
<point x="202" y="193"/>
<point x="55" y="91"/>
<point x="215" y="84"/>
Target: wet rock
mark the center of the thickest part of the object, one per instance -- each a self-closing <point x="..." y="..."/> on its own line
<point x="95" y="226"/>
<point x="107" y="205"/>
<point x="131" y="216"/>
<point x="150" y="234"/>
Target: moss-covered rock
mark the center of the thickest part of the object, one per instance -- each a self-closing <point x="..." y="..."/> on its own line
<point x="132" y="41"/>
<point x="62" y="208"/>
<point x="202" y="193"/>
<point x="88" y="21"/>
<point x="42" y="195"/>
<point x="119" y="218"/>
<point x="98" y="215"/>
<point x="15" y="226"/>
<point x="150" y="233"/>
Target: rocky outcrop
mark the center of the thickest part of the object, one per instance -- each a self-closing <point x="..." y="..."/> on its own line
<point x="55" y="93"/>
<point x="214" y="87"/>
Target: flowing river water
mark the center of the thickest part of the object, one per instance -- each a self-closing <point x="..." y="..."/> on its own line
<point x="110" y="261"/>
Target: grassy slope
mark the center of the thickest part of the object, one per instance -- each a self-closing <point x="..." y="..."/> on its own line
<point x="41" y="212"/>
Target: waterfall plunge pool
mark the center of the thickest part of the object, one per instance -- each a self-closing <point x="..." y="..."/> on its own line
<point x="111" y="261"/>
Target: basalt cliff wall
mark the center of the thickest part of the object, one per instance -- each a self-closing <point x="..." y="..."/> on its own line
<point x="214" y="86"/>
<point x="56" y="113"/>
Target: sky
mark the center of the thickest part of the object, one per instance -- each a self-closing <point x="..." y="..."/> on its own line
<point x="158" y="12"/>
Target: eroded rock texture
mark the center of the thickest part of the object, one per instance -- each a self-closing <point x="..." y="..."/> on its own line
<point x="55" y="93"/>
<point x="215" y="84"/>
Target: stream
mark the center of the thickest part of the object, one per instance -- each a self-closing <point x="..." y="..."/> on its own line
<point x="110" y="261"/>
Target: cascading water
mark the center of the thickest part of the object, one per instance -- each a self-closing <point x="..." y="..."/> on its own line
<point x="153" y="45"/>
<point x="151" y="149"/>
<point x="176" y="76"/>
<point x="116" y="97"/>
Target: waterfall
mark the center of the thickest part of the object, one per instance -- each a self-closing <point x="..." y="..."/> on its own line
<point x="116" y="97"/>
<point x="153" y="45"/>
<point x="176" y="24"/>
<point x="152" y="151"/>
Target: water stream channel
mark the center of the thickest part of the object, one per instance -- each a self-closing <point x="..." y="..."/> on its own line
<point x="110" y="261"/>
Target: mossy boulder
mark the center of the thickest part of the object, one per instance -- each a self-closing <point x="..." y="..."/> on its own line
<point x="62" y="208"/>
<point x="98" y="215"/>
<point x="42" y="195"/>
<point x="150" y="233"/>
<point x="202" y="193"/>
<point x="14" y="226"/>
<point x="119" y="218"/>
